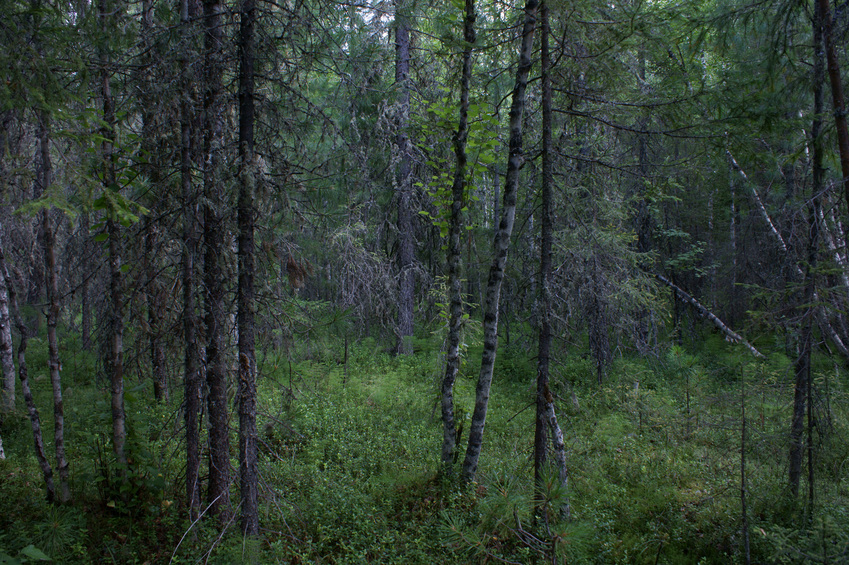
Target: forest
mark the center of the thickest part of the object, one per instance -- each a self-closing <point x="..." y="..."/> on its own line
<point x="415" y="281"/>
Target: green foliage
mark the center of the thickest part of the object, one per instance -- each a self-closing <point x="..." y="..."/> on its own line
<point x="61" y="532"/>
<point x="27" y="555"/>
<point x="825" y="541"/>
<point x="481" y="147"/>
<point x="349" y="471"/>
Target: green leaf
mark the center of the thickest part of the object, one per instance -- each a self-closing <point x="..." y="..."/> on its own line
<point x="34" y="553"/>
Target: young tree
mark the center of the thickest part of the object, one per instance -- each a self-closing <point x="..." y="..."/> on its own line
<point x="459" y="200"/>
<point x="32" y="409"/>
<point x="44" y="179"/>
<point x="500" y="246"/>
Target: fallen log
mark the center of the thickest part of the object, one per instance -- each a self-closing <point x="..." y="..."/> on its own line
<point x="730" y="334"/>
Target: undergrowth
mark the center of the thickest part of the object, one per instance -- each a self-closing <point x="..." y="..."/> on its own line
<point x="349" y="451"/>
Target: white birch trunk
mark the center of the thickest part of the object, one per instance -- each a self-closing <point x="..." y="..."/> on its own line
<point x="7" y="355"/>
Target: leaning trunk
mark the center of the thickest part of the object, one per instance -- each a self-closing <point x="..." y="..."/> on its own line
<point x="32" y="409"/>
<point x="500" y="247"/>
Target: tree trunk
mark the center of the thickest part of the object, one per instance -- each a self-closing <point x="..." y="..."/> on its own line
<point x="802" y="383"/>
<point x="7" y="394"/>
<point x="216" y="369"/>
<point x="404" y="186"/>
<point x="730" y="334"/>
<point x="155" y="308"/>
<point x="546" y="419"/>
<point x="837" y="98"/>
<point x="544" y="344"/>
<point x="500" y="246"/>
<point x="191" y="379"/>
<point x="458" y="192"/>
<point x="154" y="293"/>
<point x="32" y="409"/>
<point x="119" y="424"/>
<point x="116" y="357"/>
<point x="49" y="241"/>
<point x="249" y="474"/>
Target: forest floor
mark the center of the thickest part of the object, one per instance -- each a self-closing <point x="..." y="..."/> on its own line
<point x="349" y="456"/>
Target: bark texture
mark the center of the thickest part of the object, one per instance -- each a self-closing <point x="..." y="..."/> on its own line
<point x="218" y="494"/>
<point x="7" y="355"/>
<point x="544" y="343"/>
<point x="458" y="191"/>
<point x="32" y="409"/>
<point x="154" y="294"/>
<point x="404" y="186"/>
<point x="501" y="244"/>
<point x="249" y="474"/>
<point x="49" y="250"/>
<point x="191" y="376"/>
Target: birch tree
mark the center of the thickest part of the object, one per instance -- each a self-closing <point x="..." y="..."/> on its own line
<point x="500" y="245"/>
<point x="458" y="193"/>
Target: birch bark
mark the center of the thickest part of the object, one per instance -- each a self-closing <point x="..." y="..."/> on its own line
<point x="501" y="244"/>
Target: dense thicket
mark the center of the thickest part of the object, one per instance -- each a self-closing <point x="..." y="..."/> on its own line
<point x="200" y="200"/>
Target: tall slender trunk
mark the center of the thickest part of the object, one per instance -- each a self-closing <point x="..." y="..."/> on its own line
<point x="213" y="230"/>
<point x="49" y="243"/>
<point x="837" y="98"/>
<point x="802" y="386"/>
<point x="107" y="148"/>
<point x="544" y="344"/>
<point x="404" y="187"/>
<point x="248" y="471"/>
<point x="458" y="192"/>
<point x="500" y="246"/>
<point x="747" y="557"/>
<point x="32" y="409"/>
<point x="154" y="294"/>
<point x="7" y="394"/>
<point x="85" y="301"/>
<point x="546" y="419"/>
<point x="119" y="424"/>
<point x="191" y="376"/>
<point x="155" y="308"/>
